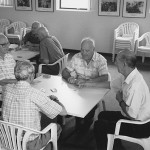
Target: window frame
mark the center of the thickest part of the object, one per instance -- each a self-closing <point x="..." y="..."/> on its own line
<point x="58" y="7"/>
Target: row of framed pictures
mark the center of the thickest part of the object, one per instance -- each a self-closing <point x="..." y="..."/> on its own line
<point x="131" y="8"/>
<point x="40" y="5"/>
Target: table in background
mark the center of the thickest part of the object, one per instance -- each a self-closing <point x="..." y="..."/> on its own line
<point x="24" y="54"/>
<point x="78" y="102"/>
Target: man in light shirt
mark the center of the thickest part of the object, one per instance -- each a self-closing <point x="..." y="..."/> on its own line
<point x="87" y="68"/>
<point x="133" y="97"/>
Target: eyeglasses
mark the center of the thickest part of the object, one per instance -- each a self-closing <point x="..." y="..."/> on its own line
<point x="5" y="44"/>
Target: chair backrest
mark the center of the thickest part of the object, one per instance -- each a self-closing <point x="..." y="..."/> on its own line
<point x="26" y="30"/>
<point x="15" y="137"/>
<point x="15" y="27"/>
<point x="62" y="64"/>
<point x="146" y="36"/>
<point x="3" y="24"/>
<point x="128" y="28"/>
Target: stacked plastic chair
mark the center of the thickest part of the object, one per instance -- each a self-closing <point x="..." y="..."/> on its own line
<point x="125" y="36"/>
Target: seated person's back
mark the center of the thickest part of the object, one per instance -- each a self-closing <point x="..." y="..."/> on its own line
<point x="50" y="51"/>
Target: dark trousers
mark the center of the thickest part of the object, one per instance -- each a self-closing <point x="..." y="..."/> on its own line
<point x="41" y="142"/>
<point x="106" y="124"/>
<point x="52" y="70"/>
<point x="85" y="123"/>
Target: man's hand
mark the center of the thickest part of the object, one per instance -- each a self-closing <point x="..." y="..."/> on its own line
<point x="80" y="83"/>
<point x="119" y="96"/>
<point x="72" y="80"/>
<point x="54" y="98"/>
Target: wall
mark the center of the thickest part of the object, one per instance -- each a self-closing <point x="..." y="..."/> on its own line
<point x="71" y="27"/>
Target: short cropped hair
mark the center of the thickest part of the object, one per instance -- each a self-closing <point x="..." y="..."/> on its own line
<point x="88" y="39"/>
<point x="36" y="24"/>
<point x="129" y="57"/>
<point x="23" y="70"/>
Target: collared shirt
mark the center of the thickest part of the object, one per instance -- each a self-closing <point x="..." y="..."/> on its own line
<point x="136" y="96"/>
<point x="80" y="69"/>
<point x="7" y="67"/>
<point x="22" y="105"/>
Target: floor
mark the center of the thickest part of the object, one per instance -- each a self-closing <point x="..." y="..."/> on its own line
<point x="86" y="141"/>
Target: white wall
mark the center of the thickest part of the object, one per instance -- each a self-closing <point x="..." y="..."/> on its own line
<point x="71" y="27"/>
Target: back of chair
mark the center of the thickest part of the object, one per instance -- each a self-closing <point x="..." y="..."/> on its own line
<point x="15" y="137"/>
<point x="129" y="28"/>
<point x="3" y="24"/>
<point x="15" y="28"/>
<point x="146" y="36"/>
<point x="62" y="64"/>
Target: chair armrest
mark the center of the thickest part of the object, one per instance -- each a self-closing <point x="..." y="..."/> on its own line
<point x="50" y="126"/>
<point x="118" y="124"/>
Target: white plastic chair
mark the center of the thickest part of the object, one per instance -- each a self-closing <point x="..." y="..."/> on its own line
<point x="143" y="45"/>
<point x="3" y="24"/>
<point x="15" y="137"/>
<point x="144" y="142"/>
<point x="125" y="36"/>
<point x="17" y="30"/>
<point x="62" y="64"/>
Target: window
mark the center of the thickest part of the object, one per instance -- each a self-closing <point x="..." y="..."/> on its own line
<point x="6" y="3"/>
<point x="74" y="5"/>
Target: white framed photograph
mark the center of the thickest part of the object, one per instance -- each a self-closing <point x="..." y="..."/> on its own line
<point x="109" y="7"/>
<point x="44" y="5"/>
<point x="134" y="8"/>
<point x="23" y="4"/>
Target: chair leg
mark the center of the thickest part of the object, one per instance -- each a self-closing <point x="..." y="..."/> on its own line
<point x="113" y="53"/>
<point x="110" y="142"/>
<point x="143" y="58"/>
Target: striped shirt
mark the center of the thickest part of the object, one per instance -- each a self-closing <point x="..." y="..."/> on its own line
<point x="22" y="105"/>
<point x="80" y="69"/>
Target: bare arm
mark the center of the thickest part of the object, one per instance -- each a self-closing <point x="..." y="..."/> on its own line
<point x="63" y="112"/>
<point x="101" y="78"/>
<point x="119" y="98"/>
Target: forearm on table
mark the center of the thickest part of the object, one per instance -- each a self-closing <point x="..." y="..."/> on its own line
<point x="105" y="84"/>
<point x="101" y="78"/>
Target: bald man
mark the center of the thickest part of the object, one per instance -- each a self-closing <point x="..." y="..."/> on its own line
<point x="50" y="51"/>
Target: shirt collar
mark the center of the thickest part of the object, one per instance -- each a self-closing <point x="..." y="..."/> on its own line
<point x="131" y="76"/>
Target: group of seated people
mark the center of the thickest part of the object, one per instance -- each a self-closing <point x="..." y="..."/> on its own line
<point x="23" y="105"/>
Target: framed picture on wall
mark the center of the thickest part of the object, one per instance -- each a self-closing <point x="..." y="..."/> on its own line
<point x="134" y="8"/>
<point x="44" y="5"/>
<point x="108" y="7"/>
<point x="23" y="4"/>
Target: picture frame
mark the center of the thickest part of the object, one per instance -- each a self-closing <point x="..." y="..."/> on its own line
<point x="134" y="8"/>
<point x="109" y="7"/>
<point x="23" y="5"/>
<point x="42" y="5"/>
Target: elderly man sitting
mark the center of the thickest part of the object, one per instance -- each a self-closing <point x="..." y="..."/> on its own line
<point x="50" y="51"/>
<point x="22" y="104"/>
<point x="31" y="39"/>
<point x="87" y="68"/>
